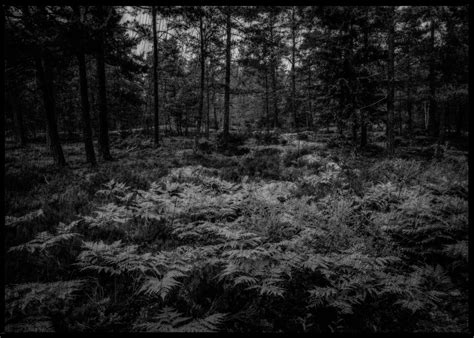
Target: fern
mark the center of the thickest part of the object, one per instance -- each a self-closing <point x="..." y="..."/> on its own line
<point x="43" y="241"/>
<point x="39" y="298"/>
<point x="163" y="286"/>
<point x="170" y="320"/>
<point x="11" y="221"/>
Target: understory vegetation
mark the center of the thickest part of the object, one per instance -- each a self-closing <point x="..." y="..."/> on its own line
<point x="283" y="233"/>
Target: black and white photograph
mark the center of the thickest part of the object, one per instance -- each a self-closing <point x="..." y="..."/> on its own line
<point x="236" y="169"/>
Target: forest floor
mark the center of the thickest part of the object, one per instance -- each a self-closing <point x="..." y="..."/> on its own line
<point x="291" y="232"/>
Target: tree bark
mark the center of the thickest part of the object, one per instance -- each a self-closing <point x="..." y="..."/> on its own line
<point x="267" y="102"/>
<point x="86" y="121"/>
<point x="433" y="122"/>
<point x="43" y="69"/>
<point x="155" y="81"/>
<point x="390" y="82"/>
<point x="274" y="79"/>
<point x="104" y="148"/>
<point x="293" y="73"/>
<point x="17" y="112"/>
<point x="409" y="102"/>
<point x="227" y="76"/>
<point x="208" y="106"/>
<point x="363" y="114"/>
<point x="85" y="106"/>
<point x="309" y="117"/>
<point x="203" y="71"/>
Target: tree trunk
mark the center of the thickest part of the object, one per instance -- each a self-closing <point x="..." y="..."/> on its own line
<point x="214" y="108"/>
<point x="17" y="112"/>
<point x="267" y="102"/>
<point x="85" y="106"/>
<point x="273" y="75"/>
<point x="390" y="82"/>
<point x="155" y="80"/>
<point x="433" y="122"/>
<point x="203" y="71"/>
<point x="208" y="106"/>
<point x="45" y="80"/>
<point x="363" y="113"/>
<point x="310" y="105"/>
<point x="86" y="121"/>
<point x="409" y="130"/>
<point x="293" y="73"/>
<point x="186" y="122"/>
<point x="227" y="76"/>
<point x="104" y="148"/>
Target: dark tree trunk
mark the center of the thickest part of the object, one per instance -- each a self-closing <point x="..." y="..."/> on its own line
<point x="208" y="106"/>
<point x="274" y="78"/>
<point x="409" y="102"/>
<point x="45" y="80"/>
<point x="104" y="148"/>
<point x="442" y="123"/>
<point x="203" y="72"/>
<point x="186" y="122"/>
<point x="352" y="85"/>
<point x="363" y="129"/>
<point x="310" y="103"/>
<point x="227" y="76"/>
<point x="214" y="108"/>
<point x="433" y="122"/>
<point x="390" y="82"/>
<point x="85" y="106"/>
<point x="155" y="81"/>
<point x="17" y="112"/>
<point x="267" y="102"/>
<point x="363" y="113"/>
<point x="293" y="73"/>
<point x="86" y="121"/>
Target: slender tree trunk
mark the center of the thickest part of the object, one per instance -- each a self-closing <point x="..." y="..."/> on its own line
<point x="17" y="112"/>
<point x="203" y="71"/>
<point x="273" y="75"/>
<point x="293" y="73"/>
<point x="44" y="78"/>
<point x="86" y="121"/>
<point x="214" y="108"/>
<point x="186" y="122"/>
<point x="363" y="113"/>
<point x="409" y="102"/>
<point x="352" y="85"/>
<point x="85" y="106"/>
<point x="267" y="102"/>
<point x="208" y="106"/>
<point x="433" y="123"/>
<point x="104" y="148"/>
<point x="227" y="76"/>
<point x="155" y="80"/>
<point x="363" y="129"/>
<point x="310" y="103"/>
<point x="400" y="120"/>
<point x="442" y="123"/>
<point x="390" y="82"/>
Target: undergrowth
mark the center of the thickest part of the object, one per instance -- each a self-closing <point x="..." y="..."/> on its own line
<point x="280" y="239"/>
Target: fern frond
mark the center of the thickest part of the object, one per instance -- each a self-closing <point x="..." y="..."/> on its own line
<point x="44" y="240"/>
<point x="11" y="221"/>
<point x="162" y="287"/>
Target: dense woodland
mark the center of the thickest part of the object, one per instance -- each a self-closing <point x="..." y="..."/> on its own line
<point x="239" y="169"/>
